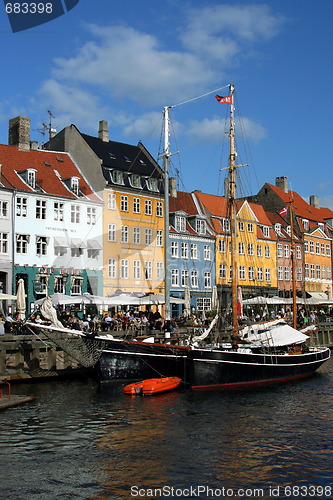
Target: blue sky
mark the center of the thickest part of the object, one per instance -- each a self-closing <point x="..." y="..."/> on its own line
<point x="124" y="60"/>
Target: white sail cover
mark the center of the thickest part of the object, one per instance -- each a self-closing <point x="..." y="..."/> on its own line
<point x="50" y="313"/>
<point x="278" y="335"/>
<point x="207" y="331"/>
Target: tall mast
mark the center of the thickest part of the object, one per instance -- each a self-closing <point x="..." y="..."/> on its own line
<point x="293" y="266"/>
<point x="166" y="160"/>
<point x="232" y="204"/>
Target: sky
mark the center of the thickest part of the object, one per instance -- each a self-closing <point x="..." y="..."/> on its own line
<point x="124" y="60"/>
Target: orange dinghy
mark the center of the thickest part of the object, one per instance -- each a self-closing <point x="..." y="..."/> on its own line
<point x="153" y="386"/>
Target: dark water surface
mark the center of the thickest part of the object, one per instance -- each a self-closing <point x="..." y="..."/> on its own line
<point x="81" y="441"/>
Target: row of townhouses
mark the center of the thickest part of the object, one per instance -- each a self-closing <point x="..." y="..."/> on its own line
<point x="85" y="214"/>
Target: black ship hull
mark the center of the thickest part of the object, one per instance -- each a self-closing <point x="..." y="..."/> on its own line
<point x="218" y="369"/>
<point x="127" y="360"/>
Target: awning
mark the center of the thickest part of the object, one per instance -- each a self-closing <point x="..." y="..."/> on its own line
<point x="94" y="244"/>
<point x="78" y="243"/>
<point x="60" y="241"/>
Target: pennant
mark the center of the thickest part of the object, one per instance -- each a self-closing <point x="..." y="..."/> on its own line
<point x="283" y="211"/>
<point x="227" y="99"/>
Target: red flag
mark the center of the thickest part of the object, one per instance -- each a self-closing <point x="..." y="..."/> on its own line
<point x="283" y="211"/>
<point x="227" y="99"/>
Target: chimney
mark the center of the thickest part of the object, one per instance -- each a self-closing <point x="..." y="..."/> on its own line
<point x="19" y="133"/>
<point x="34" y="145"/>
<point x="282" y="183"/>
<point x="103" y="132"/>
<point x="314" y="201"/>
<point x="173" y="187"/>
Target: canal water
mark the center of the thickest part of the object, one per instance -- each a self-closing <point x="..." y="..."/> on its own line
<point x="81" y="441"/>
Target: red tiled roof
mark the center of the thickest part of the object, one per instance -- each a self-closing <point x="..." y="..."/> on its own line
<point x="50" y="172"/>
<point x="301" y="207"/>
<point x="183" y="201"/>
<point x="216" y="205"/>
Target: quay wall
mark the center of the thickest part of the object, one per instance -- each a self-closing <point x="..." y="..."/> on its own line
<point x="24" y="357"/>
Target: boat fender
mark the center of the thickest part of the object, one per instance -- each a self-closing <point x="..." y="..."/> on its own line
<point x="138" y="390"/>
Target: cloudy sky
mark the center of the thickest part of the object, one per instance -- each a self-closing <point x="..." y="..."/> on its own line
<point x="123" y="61"/>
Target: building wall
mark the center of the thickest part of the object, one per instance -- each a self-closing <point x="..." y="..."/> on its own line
<point x="6" y="249"/>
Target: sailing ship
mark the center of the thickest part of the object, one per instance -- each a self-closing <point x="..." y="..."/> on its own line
<point x="257" y="354"/>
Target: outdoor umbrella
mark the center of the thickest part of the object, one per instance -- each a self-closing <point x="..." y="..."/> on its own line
<point x="20" y="300"/>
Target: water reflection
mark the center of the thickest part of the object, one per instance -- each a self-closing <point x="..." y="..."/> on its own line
<point x="81" y="441"/>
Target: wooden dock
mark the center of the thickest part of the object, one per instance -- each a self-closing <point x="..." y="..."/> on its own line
<point x="14" y="400"/>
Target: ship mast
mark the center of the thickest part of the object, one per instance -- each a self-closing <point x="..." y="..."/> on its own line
<point x="293" y="264"/>
<point x="166" y="160"/>
<point x="232" y="204"/>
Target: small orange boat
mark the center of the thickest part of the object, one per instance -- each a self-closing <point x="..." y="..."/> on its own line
<point x="153" y="386"/>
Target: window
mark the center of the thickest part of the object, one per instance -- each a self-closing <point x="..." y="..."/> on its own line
<point x="184" y="277"/>
<point x="118" y="177"/>
<point x="207" y="280"/>
<point x="41" y="245"/>
<point x="3" y="208"/>
<point x="112" y="232"/>
<point x="159" y="209"/>
<point x="328" y="249"/>
<point x="287" y="273"/>
<point x="277" y="228"/>
<point x="260" y="274"/>
<point x="279" y="250"/>
<point x="124" y="234"/>
<point x="286" y="251"/>
<point x="268" y="275"/>
<point x="124" y="268"/>
<point x="299" y="274"/>
<point x="76" y="252"/>
<point x="112" y="201"/>
<point x="184" y="251"/>
<point x="159" y="238"/>
<point x="241" y="226"/>
<point x="250" y="249"/>
<point x="298" y="252"/>
<point x="200" y="226"/>
<point x="318" y="273"/>
<point x="136" y="269"/>
<point x="59" y="284"/>
<point x="207" y="252"/>
<point x="204" y="304"/>
<point x="112" y="268"/>
<point x="22" y="241"/>
<point x="174" y="277"/>
<point x="194" y="279"/>
<point x="136" y="205"/>
<point x="311" y="247"/>
<point x="312" y="271"/>
<point x="306" y="270"/>
<point x="241" y="250"/>
<point x="251" y="273"/>
<point x="136" y="235"/>
<point x="265" y="230"/>
<point x="259" y="250"/>
<point x="93" y="253"/>
<point x="317" y="248"/>
<point x="328" y="272"/>
<point x="124" y="203"/>
<point x="75" y="185"/>
<point x="322" y="248"/>
<point x="31" y="178"/>
<point x="41" y="284"/>
<point x="135" y="180"/>
<point x="75" y="214"/>
<point x="267" y="251"/>
<point x="159" y="270"/>
<point x="306" y="246"/>
<point x="194" y="251"/>
<point x="58" y="211"/>
<point x="180" y="223"/>
<point x="250" y="227"/>
<point x="305" y="224"/>
<point x="280" y="273"/>
<point x="225" y="223"/>
<point x="174" y="249"/>
<point x="323" y="272"/>
<point x="223" y="272"/>
<point x="148" y="207"/>
<point x="222" y="246"/>
<point x="76" y="286"/>
<point x="91" y="216"/>
<point x="21" y="206"/>
<point x="4" y="243"/>
<point x="148" y="270"/>
<point x="152" y="184"/>
<point x="148" y="236"/>
<point x="242" y="274"/>
<point x="40" y="209"/>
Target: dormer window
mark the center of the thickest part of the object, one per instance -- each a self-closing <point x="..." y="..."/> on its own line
<point x="112" y="156"/>
<point x="152" y="184"/>
<point x="225" y="223"/>
<point x="277" y="228"/>
<point x="321" y="226"/>
<point x="75" y="185"/>
<point x="305" y="224"/>
<point x="289" y="230"/>
<point x="127" y="159"/>
<point x="118" y="177"/>
<point x="180" y="223"/>
<point x="135" y="180"/>
<point x="201" y="226"/>
<point x="265" y="230"/>
<point x="31" y="178"/>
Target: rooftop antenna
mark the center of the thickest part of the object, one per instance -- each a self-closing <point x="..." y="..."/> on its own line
<point x="50" y="129"/>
